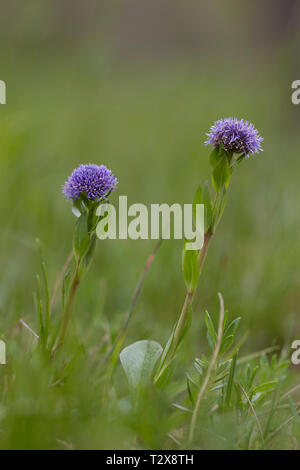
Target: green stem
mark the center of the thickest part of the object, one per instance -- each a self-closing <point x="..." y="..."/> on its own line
<point x="68" y="308"/>
<point x="185" y="309"/>
<point x="59" y="280"/>
<point x="190" y="295"/>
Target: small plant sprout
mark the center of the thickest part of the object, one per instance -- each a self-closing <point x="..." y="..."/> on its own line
<point x="87" y="187"/>
<point x="232" y="142"/>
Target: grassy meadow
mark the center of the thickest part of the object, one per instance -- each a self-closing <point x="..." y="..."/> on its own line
<point x="147" y="122"/>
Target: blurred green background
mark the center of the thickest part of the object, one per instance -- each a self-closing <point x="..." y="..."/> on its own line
<point x="136" y="85"/>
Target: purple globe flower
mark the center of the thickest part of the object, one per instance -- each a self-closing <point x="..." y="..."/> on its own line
<point x="93" y="180"/>
<point x="235" y="136"/>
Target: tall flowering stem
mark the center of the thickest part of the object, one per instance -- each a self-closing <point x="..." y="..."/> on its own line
<point x="232" y="141"/>
<point x="88" y="186"/>
<point x="190" y="295"/>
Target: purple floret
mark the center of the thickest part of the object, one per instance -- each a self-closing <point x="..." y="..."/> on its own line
<point x="235" y="136"/>
<point x="93" y="180"/>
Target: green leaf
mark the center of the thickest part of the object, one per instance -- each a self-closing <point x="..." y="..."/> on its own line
<point x="87" y="257"/>
<point x="164" y="374"/>
<point x="190" y="391"/>
<point x="281" y="367"/>
<point x="190" y="268"/>
<point x="251" y="373"/>
<point x="197" y="200"/>
<point x="219" y="207"/>
<point x="45" y="323"/>
<point x="226" y="344"/>
<point x="265" y="387"/>
<point x="225" y="319"/>
<point x="271" y="414"/>
<point x="186" y="327"/>
<point x="221" y="174"/>
<point x="230" y="380"/>
<point x="81" y="236"/>
<point x="211" y="332"/>
<point x="77" y="207"/>
<point x="215" y="157"/>
<point x="40" y="311"/>
<point x="166" y="349"/>
<point x="293" y="409"/>
<point x="138" y="361"/>
<point x="232" y="327"/>
<point x="164" y="369"/>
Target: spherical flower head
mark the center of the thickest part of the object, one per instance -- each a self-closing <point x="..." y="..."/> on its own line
<point x="235" y="136"/>
<point x="94" y="181"/>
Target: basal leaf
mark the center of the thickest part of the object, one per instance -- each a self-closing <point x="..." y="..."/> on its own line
<point x="138" y="361"/>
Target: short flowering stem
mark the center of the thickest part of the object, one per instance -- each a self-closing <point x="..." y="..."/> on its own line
<point x="68" y="308"/>
<point x="87" y="187"/>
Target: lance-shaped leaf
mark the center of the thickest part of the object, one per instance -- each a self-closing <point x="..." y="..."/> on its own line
<point x="190" y="268"/>
<point x="221" y="174"/>
<point x="81" y="236"/>
<point x="215" y="157"/>
<point x="198" y="199"/>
